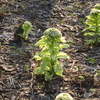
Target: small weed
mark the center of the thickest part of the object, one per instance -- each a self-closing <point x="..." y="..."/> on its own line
<point x="23" y="6"/>
<point x="13" y="47"/>
<point x="2" y="10"/>
<point x="92" y="60"/>
<point x="79" y="68"/>
<point x="14" y="52"/>
<point x="81" y="78"/>
<point x="62" y="22"/>
<point x="26" y="44"/>
<point x="71" y="14"/>
<point x="18" y="50"/>
<point x="92" y="90"/>
<point x="23" y="53"/>
<point x="41" y="85"/>
<point x="27" y="27"/>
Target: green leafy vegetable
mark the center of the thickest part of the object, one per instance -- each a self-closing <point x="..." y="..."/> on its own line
<point x="27" y="27"/>
<point x="93" y="22"/>
<point x="51" y="43"/>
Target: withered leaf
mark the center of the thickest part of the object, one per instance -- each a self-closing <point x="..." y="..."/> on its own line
<point x="7" y="67"/>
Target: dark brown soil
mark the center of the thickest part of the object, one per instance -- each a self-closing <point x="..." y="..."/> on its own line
<point x="17" y="80"/>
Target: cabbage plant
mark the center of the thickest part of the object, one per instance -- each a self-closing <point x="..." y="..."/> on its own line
<point x="50" y="44"/>
<point x="93" y="22"/>
<point x="27" y="27"/>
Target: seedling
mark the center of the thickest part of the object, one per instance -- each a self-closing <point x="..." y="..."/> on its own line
<point x="27" y="27"/>
<point x="62" y="22"/>
<point x="13" y="47"/>
<point x="81" y="79"/>
<point x="50" y="43"/>
<point x="27" y="67"/>
<point x="23" y="6"/>
<point x="92" y="90"/>
<point x="71" y="14"/>
<point x="26" y="44"/>
<point x="23" y="53"/>
<point x="92" y="60"/>
<point x="41" y="86"/>
<point x="79" y="68"/>
<point x="93" y="22"/>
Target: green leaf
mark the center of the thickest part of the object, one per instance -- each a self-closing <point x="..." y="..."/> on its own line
<point x="38" y="71"/>
<point x="63" y="46"/>
<point x="62" y="39"/>
<point x="80" y="77"/>
<point x="62" y="55"/>
<point x="53" y="57"/>
<point x="58" y="69"/>
<point x="48" y="76"/>
<point x="20" y="34"/>
<point x="90" y="22"/>
<point x="44" y="63"/>
<point x="92" y="60"/>
<point x="37" y="57"/>
<point x="91" y="34"/>
<point x="90" y="42"/>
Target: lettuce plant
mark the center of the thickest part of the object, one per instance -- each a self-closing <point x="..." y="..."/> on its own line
<point x="27" y="27"/>
<point x="64" y="96"/>
<point x="93" y="22"/>
<point x="50" y="43"/>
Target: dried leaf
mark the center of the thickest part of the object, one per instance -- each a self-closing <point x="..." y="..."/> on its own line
<point x="7" y="67"/>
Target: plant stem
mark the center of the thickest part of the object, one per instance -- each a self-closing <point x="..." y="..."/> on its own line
<point x="96" y="31"/>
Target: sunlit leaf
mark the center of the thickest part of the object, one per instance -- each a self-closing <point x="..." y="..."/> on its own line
<point x="37" y="57"/>
<point x="44" y="63"/>
<point x="62" y="39"/>
<point x="38" y="71"/>
<point x="58" y="69"/>
<point x="62" y="55"/>
<point x="91" y="34"/>
<point x="63" y="46"/>
<point x="90" y="42"/>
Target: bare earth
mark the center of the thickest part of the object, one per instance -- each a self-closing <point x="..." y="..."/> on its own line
<point x="17" y="80"/>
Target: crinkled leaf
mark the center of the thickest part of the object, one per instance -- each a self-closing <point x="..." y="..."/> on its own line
<point x="58" y="69"/>
<point x="48" y="76"/>
<point x="62" y="55"/>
